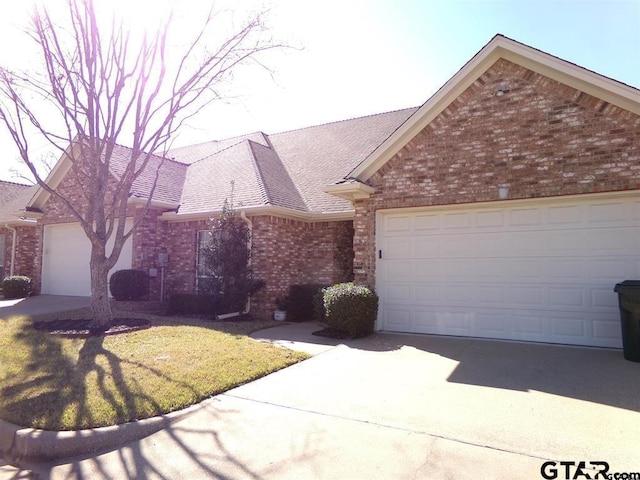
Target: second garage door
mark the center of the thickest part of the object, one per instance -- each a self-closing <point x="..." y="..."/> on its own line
<point x="65" y="263"/>
<point x="524" y="270"/>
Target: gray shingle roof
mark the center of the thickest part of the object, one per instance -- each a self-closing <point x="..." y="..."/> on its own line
<point x="13" y="199"/>
<point x="171" y="176"/>
<point x="288" y="169"/>
<point x="208" y="181"/>
<point x="322" y="155"/>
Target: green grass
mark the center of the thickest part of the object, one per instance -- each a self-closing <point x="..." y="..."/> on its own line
<point x="53" y="383"/>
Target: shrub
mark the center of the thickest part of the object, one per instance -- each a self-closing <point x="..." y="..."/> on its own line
<point x="192" y="304"/>
<point x="227" y="259"/>
<point x="351" y="309"/>
<point x="129" y="284"/>
<point x="16" y="286"/>
<point x="319" y="312"/>
<point x="301" y="301"/>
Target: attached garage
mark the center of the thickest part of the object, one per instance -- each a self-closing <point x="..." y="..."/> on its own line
<point x="65" y="260"/>
<point x="534" y="270"/>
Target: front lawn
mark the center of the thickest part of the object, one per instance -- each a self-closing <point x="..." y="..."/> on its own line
<point x="53" y="383"/>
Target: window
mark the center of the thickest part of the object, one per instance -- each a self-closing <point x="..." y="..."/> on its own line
<point x="202" y="272"/>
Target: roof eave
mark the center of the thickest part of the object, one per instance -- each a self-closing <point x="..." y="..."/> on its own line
<point x="142" y="201"/>
<point x="264" y="210"/>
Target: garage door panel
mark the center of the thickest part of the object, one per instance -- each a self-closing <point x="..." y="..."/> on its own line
<point x="524" y="217"/>
<point x="397" y="224"/>
<point x="488" y="294"/>
<point x="456" y="221"/>
<point x="490" y="219"/>
<point x="66" y="257"/>
<point x="539" y="273"/>
<point x="529" y="327"/>
<point x="566" y="216"/>
<point x="427" y="222"/>
<point x="400" y="270"/>
<point x="603" y="298"/>
<point x="427" y="247"/>
<point x="612" y="213"/>
<point x="398" y="319"/>
<point x="398" y="248"/>
<point x="526" y="295"/>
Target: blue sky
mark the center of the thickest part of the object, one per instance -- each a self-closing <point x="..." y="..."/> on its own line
<point x="360" y="57"/>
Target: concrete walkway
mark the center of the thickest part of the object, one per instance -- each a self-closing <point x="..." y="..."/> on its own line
<point x="396" y="406"/>
<point x="40" y="304"/>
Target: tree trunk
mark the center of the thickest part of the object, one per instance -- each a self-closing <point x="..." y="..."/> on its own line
<point x="100" y="306"/>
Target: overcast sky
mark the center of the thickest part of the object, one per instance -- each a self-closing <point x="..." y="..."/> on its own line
<point x="360" y="57"/>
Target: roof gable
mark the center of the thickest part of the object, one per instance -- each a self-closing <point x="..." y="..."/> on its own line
<point x="599" y="86"/>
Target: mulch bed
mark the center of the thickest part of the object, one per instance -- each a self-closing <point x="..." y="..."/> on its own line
<point x="80" y="328"/>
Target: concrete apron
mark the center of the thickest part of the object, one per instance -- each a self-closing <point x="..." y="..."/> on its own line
<point x="400" y="406"/>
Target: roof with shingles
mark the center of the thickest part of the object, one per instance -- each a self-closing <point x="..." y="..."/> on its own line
<point x="13" y="199"/>
<point x="287" y="169"/>
<point x="227" y="174"/>
<point x="171" y="175"/>
<point x="322" y="155"/>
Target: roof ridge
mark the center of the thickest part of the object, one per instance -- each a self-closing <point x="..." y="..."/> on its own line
<point x="214" y="153"/>
<point x="161" y="157"/>
<point x="345" y="120"/>
<point x="264" y="193"/>
<point x="16" y="183"/>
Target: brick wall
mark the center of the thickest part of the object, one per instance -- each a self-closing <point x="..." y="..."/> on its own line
<point x="27" y="253"/>
<point x="284" y="252"/>
<point x="180" y="243"/>
<point x="287" y="252"/>
<point x="148" y="242"/>
<point x="541" y="138"/>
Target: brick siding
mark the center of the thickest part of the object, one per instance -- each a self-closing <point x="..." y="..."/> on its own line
<point x="541" y="138"/>
<point x="287" y="252"/>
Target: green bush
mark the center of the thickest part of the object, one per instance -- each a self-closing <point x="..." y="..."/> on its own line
<point x="16" y="286"/>
<point x="351" y="309"/>
<point x="319" y="312"/>
<point x="129" y="284"/>
<point x="301" y="301"/>
<point x="192" y="304"/>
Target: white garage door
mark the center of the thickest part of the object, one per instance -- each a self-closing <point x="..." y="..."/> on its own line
<point x="522" y="270"/>
<point x="65" y="263"/>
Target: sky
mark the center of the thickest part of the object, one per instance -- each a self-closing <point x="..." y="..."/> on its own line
<point x="351" y="58"/>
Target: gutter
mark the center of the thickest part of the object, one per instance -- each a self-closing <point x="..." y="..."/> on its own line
<point x="13" y="246"/>
<point x="247" y="308"/>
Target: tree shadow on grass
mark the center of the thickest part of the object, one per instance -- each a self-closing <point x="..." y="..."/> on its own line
<point x="52" y="389"/>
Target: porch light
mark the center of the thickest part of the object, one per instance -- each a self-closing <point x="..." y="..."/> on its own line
<point x="502" y="89"/>
<point x="503" y="191"/>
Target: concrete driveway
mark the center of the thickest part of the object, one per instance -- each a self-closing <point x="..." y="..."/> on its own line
<point x="395" y="407"/>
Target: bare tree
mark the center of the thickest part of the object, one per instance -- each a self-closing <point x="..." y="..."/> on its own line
<point x="110" y="86"/>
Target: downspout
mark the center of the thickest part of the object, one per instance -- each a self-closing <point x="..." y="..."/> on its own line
<point x="245" y="219"/>
<point x="13" y="246"/>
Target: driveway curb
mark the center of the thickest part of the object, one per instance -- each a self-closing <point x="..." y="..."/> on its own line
<point x="19" y="444"/>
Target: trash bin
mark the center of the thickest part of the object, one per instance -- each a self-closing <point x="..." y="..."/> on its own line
<point x="629" y="301"/>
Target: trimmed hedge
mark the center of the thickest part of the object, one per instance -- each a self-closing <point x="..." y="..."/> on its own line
<point x="301" y="301"/>
<point x="351" y="309"/>
<point x="129" y="284"/>
<point x="16" y="286"/>
<point x="192" y="304"/>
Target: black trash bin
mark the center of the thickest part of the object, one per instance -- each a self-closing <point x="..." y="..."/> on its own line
<point x="629" y="301"/>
